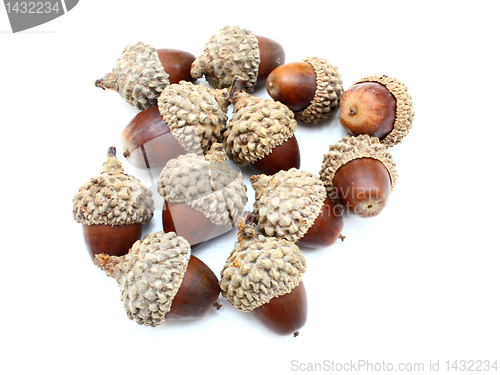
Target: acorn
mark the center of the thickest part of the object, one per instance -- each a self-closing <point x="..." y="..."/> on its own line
<point x="260" y="134"/>
<point x="112" y="207"/>
<point x="311" y="88"/>
<point x="294" y="205"/>
<point x="203" y="195"/>
<point x="195" y="114"/>
<point x="263" y="275"/>
<point x="378" y="106"/>
<point x="142" y="72"/>
<point x="359" y="173"/>
<point x="148" y="142"/>
<point x="160" y="280"/>
<point x="236" y="51"/>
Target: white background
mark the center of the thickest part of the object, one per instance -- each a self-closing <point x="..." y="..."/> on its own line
<point x="419" y="282"/>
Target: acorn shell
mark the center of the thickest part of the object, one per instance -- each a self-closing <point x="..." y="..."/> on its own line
<point x="328" y="91"/>
<point x="138" y="76"/>
<point x="113" y="198"/>
<point x="260" y="268"/>
<point x="350" y="148"/>
<point x="195" y="114"/>
<point x="287" y="203"/>
<point x="258" y="125"/>
<point x="149" y="276"/>
<point x="233" y="51"/>
<point x="404" y="107"/>
<point x="206" y="184"/>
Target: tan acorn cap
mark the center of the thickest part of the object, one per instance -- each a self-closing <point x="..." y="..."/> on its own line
<point x="258" y="126"/>
<point x="195" y="114"/>
<point x="149" y="276"/>
<point x="233" y="51"/>
<point x="328" y="91"/>
<point x="351" y="148"/>
<point x="113" y="197"/>
<point x="287" y="203"/>
<point x="260" y="268"/>
<point x="404" y="107"/>
<point x="138" y="76"/>
<point x="206" y="184"/>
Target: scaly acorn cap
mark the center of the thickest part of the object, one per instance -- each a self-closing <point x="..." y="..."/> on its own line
<point x="113" y="197"/>
<point x="233" y="51"/>
<point x="195" y="114"/>
<point x="138" y="76"/>
<point x="149" y="276"/>
<point x="351" y="148"/>
<point x="260" y="268"/>
<point x="404" y="107"/>
<point x="206" y="184"/>
<point x="287" y="203"/>
<point x="328" y="91"/>
<point x="258" y="126"/>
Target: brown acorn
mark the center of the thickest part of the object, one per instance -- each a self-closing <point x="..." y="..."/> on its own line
<point x="160" y="280"/>
<point x="112" y="207"/>
<point x="359" y="173"/>
<point x="236" y="51"/>
<point x="177" y="64"/>
<point x="378" y="106"/>
<point x="148" y="142"/>
<point x="263" y="275"/>
<point x="203" y="195"/>
<point x="310" y="88"/>
<point x="260" y="134"/>
<point x="294" y="205"/>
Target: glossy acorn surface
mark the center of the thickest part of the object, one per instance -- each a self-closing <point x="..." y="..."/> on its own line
<point x="113" y="240"/>
<point x="272" y="55"/>
<point x="282" y="157"/>
<point x="177" y="64"/>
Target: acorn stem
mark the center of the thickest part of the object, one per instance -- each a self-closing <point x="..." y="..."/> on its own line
<point x="112" y="152"/>
<point x="236" y="86"/>
<point x="246" y="226"/>
<point x="108" y="263"/>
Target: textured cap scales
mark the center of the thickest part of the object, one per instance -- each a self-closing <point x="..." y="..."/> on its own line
<point x="350" y="148"/>
<point x="287" y="203"/>
<point x="138" y="76"/>
<point x="206" y="184"/>
<point x="149" y="276"/>
<point x="113" y="197"/>
<point x="258" y="125"/>
<point x="195" y="114"/>
<point x="404" y="107"/>
<point x="233" y="51"/>
<point x="328" y="91"/>
<point x="260" y="268"/>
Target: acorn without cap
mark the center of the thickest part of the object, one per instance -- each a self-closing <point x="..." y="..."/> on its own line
<point x="310" y="88"/>
<point x="359" y="173"/>
<point x="263" y="275"/>
<point x="203" y="195"/>
<point x="142" y="72"/>
<point x="378" y="106"/>
<point x="236" y="51"/>
<point x="260" y="133"/>
<point x="294" y="205"/>
<point x="112" y="207"/>
<point x="160" y="280"/>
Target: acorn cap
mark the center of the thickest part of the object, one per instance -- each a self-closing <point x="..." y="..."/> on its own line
<point x="138" y="76"/>
<point x="328" y="91"/>
<point x="149" y="276"/>
<point x="260" y="268"/>
<point x="113" y="197"/>
<point x="195" y="114"/>
<point x="258" y="125"/>
<point x="233" y="51"/>
<point x="287" y="203"/>
<point x="350" y="148"/>
<point x="206" y="184"/>
<point x="404" y="107"/>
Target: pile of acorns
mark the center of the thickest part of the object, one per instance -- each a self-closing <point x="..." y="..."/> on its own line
<point x="184" y="128"/>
